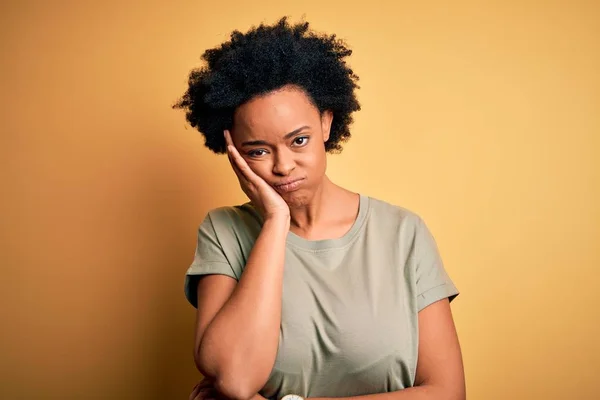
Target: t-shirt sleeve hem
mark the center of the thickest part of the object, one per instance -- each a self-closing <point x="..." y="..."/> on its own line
<point x="195" y="271"/>
<point x="436" y="293"/>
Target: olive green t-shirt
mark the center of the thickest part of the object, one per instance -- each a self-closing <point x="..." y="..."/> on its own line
<point x="349" y="310"/>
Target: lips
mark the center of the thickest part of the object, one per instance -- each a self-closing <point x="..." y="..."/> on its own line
<point x="289" y="185"/>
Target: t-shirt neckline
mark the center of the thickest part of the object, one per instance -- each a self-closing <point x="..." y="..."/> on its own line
<point x="323" y="244"/>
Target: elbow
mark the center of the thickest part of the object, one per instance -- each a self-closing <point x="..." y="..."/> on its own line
<point x="232" y="378"/>
<point x="454" y="393"/>
<point x="235" y="389"/>
<point x="202" y="367"/>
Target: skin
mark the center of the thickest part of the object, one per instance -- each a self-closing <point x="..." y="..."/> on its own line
<point x="277" y="138"/>
<point x="281" y="136"/>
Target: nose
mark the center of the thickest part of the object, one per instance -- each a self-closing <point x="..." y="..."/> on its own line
<point x="284" y="163"/>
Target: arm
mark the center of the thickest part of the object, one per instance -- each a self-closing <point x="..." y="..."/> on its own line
<point x="238" y="324"/>
<point x="440" y="374"/>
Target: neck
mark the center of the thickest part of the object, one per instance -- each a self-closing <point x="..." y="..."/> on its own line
<point x="306" y="216"/>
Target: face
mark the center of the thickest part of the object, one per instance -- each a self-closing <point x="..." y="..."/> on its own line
<point x="282" y="136"/>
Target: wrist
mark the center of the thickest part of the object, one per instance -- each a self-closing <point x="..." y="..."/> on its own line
<point x="279" y="220"/>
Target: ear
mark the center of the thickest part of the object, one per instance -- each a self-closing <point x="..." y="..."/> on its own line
<point x="326" y="120"/>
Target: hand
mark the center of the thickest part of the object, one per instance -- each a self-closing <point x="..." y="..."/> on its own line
<point x="260" y="193"/>
<point x="204" y="390"/>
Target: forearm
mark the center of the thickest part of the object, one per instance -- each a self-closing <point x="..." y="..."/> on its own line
<point x="239" y="346"/>
<point x="415" y="393"/>
<point x="425" y="392"/>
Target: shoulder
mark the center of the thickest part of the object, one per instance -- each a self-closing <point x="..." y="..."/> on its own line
<point x="238" y="214"/>
<point x="385" y="212"/>
<point x="235" y="220"/>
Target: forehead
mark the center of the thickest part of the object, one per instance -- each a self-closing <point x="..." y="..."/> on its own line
<point x="276" y="113"/>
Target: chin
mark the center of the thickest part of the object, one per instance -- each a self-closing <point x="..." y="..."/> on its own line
<point x="297" y="198"/>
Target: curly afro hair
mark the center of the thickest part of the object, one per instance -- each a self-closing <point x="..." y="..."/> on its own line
<point x="264" y="59"/>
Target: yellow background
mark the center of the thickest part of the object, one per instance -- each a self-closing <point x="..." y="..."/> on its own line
<point x="483" y="117"/>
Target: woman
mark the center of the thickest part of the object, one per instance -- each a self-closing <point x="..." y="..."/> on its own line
<point x="309" y="289"/>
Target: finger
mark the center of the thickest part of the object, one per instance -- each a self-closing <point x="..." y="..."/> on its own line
<point x="206" y="394"/>
<point x="241" y="177"/>
<point x="195" y="392"/>
<point x="235" y="155"/>
<point x="230" y="148"/>
<point x="242" y="165"/>
<point x="228" y="140"/>
<point x="206" y="382"/>
<point x="203" y="385"/>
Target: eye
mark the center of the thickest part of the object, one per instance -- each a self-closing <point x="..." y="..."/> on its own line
<point x="301" y="141"/>
<point x="257" y="153"/>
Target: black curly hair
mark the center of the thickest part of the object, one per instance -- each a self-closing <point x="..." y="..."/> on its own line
<point x="264" y="59"/>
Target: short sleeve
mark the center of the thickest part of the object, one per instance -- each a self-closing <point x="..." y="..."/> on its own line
<point x="432" y="281"/>
<point x="209" y="259"/>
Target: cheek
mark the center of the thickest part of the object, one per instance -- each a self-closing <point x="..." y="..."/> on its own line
<point x="315" y="161"/>
<point x="261" y="168"/>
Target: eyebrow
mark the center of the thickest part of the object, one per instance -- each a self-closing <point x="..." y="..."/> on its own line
<point x="287" y="136"/>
